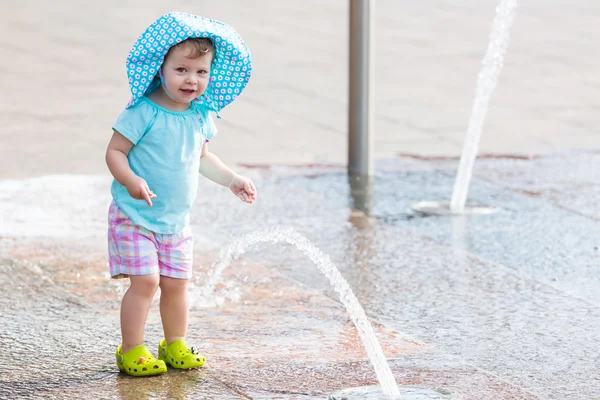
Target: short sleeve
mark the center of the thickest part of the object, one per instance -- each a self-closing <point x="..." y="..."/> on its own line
<point x="210" y="129"/>
<point x="133" y="122"/>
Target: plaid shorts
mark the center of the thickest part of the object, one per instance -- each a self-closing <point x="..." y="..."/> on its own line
<point x="135" y="250"/>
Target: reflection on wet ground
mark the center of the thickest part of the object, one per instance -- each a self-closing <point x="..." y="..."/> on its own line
<point x="500" y="306"/>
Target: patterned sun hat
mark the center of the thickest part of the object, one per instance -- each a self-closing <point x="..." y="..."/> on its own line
<point x="231" y="67"/>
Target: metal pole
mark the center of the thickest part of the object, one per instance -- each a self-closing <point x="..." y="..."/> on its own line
<point x="360" y="108"/>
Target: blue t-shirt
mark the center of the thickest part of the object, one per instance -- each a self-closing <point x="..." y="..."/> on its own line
<point x="166" y="153"/>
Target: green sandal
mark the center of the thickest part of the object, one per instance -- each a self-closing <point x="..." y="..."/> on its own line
<point x="178" y="355"/>
<point x="139" y="362"/>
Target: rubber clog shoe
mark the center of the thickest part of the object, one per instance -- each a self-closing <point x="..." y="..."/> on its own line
<point x="139" y="361"/>
<point x="178" y="355"/>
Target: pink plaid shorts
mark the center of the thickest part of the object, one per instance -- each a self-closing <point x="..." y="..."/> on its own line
<point x="135" y="250"/>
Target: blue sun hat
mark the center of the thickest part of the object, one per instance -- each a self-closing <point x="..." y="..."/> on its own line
<point x="231" y="67"/>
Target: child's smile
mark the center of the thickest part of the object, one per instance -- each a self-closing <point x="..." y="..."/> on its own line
<point x="189" y="92"/>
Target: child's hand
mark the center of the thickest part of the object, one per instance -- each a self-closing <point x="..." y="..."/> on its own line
<point x="138" y="189"/>
<point x="243" y="188"/>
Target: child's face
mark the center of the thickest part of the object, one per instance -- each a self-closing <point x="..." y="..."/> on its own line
<point x="186" y="78"/>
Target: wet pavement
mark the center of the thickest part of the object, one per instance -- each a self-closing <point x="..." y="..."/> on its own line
<point x="497" y="306"/>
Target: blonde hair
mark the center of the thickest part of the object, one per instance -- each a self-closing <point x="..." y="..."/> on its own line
<point x="199" y="47"/>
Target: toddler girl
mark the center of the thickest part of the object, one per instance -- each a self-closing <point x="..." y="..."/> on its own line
<point x="180" y="69"/>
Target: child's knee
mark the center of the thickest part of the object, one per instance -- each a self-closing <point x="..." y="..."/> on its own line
<point x="172" y="285"/>
<point x="145" y="284"/>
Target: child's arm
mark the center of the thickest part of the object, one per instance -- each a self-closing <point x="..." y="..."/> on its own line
<point x="116" y="159"/>
<point x="214" y="169"/>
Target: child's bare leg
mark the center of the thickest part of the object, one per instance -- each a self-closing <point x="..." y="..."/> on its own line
<point x="134" y="309"/>
<point x="174" y="308"/>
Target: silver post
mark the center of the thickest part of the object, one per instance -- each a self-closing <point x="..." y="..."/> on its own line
<point x="360" y="108"/>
